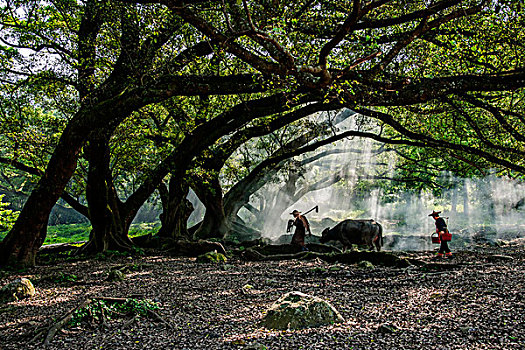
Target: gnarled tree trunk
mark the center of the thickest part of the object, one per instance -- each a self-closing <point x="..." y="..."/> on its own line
<point x="177" y="210"/>
<point x="214" y="224"/>
<point x="107" y="213"/>
<point x="21" y="244"/>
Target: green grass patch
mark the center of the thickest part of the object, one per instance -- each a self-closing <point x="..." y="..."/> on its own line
<point x="67" y="233"/>
<point x="80" y="232"/>
<point x="144" y="228"/>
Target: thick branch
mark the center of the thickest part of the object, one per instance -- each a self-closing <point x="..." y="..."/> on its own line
<point x="203" y="137"/>
<point x="229" y="43"/>
<point x="196" y="85"/>
<point x="427" y="141"/>
<point x="75" y="204"/>
<point x="347" y="26"/>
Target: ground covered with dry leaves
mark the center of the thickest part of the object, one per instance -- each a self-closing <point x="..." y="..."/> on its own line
<point x="474" y="301"/>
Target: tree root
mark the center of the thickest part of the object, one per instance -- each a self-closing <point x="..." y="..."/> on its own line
<point x="156" y="316"/>
<point x="54" y="328"/>
<point x="124" y="326"/>
<point x="376" y="258"/>
<point x="60" y="247"/>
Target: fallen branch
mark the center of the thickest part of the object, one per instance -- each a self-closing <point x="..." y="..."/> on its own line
<point x="60" y="247"/>
<point x="158" y="317"/>
<point x="112" y="299"/>
<point x="124" y="326"/>
<point x="63" y="322"/>
<point x="278" y="257"/>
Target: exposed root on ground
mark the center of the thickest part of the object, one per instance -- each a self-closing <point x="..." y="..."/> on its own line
<point x="49" y="331"/>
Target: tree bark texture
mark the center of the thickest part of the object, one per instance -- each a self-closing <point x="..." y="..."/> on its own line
<point x="214" y="223"/>
<point x="177" y="210"/>
<point x="21" y="244"/>
<point x="106" y="211"/>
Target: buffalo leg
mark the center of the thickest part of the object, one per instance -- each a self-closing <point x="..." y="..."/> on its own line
<point x="376" y="242"/>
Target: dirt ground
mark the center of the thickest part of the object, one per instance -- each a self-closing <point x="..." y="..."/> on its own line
<point x="474" y="301"/>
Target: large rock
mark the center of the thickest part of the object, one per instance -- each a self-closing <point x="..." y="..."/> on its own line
<point x="18" y="289"/>
<point x="296" y="310"/>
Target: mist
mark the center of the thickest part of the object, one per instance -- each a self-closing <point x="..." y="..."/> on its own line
<point x="477" y="210"/>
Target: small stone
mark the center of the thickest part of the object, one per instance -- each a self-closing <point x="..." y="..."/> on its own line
<point x="226" y="267"/>
<point x="238" y="342"/>
<point x="255" y="346"/>
<point x="468" y="330"/>
<point x="116" y="276"/>
<point x="365" y="264"/>
<point x="387" y="329"/>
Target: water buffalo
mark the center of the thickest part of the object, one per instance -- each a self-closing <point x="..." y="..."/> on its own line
<point x="350" y="232"/>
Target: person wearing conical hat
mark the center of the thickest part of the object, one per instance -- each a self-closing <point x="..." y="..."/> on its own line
<point x="301" y="227"/>
<point x="441" y="229"/>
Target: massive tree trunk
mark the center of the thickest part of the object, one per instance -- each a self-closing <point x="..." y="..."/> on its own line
<point x="109" y="221"/>
<point x="214" y="224"/>
<point x="177" y="210"/>
<point x="21" y="244"/>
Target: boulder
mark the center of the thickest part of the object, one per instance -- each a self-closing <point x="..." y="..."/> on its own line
<point x="18" y="289"/>
<point x="296" y="310"/>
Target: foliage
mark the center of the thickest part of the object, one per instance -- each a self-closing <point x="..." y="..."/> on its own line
<point x="65" y="278"/>
<point x="145" y="228"/>
<point x="100" y="310"/>
<point x="80" y="232"/>
<point x="7" y="217"/>
<point x="166" y="86"/>
<point x="212" y="257"/>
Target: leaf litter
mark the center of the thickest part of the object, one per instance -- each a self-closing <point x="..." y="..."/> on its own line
<point x="474" y="301"/>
